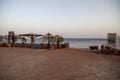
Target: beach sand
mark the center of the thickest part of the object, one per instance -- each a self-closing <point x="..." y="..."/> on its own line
<point x="57" y="64"/>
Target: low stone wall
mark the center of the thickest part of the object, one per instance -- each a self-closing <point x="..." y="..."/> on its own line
<point x="42" y="46"/>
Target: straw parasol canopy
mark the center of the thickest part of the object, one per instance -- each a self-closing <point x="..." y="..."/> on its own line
<point x="32" y="36"/>
<point x="20" y="37"/>
<point x="57" y="36"/>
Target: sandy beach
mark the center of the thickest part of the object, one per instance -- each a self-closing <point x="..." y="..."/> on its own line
<point x="57" y="64"/>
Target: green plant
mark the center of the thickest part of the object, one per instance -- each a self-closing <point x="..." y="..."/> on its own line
<point x="15" y="38"/>
<point x="1" y="38"/>
<point x="32" y="40"/>
<point x="44" y="39"/>
<point x="53" y="39"/>
<point x="59" y="39"/>
<point x="24" y="39"/>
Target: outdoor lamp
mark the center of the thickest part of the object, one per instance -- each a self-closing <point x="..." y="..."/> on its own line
<point x="48" y="40"/>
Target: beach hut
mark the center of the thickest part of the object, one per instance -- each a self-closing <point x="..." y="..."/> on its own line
<point x="118" y="43"/>
<point x="112" y="39"/>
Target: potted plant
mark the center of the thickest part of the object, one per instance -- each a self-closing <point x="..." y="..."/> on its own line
<point x="24" y="40"/>
<point x="59" y="39"/>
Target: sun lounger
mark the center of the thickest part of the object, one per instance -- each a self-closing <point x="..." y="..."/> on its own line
<point x="36" y="46"/>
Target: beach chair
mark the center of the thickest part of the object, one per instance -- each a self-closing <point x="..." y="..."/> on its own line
<point x="94" y="49"/>
<point x="36" y="46"/>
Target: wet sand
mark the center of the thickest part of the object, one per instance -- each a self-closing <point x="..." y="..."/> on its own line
<point x="57" y="64"/>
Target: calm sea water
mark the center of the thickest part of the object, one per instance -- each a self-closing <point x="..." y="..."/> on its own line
<point x="77" y="42"/>
<point x="85" y="42"/>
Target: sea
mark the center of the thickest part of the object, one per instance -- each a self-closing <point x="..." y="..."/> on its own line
<point x="85" y="42"/>
<point x="76" y="42"/>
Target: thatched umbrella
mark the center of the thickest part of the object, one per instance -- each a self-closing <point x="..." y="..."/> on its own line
<point x="23" y="38"/>
<point x="32" y="36"/>
<point x="48" y="35"/>
<point x="45" y="37"/>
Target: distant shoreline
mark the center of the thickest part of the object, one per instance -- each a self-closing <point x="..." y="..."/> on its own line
<point x="85" y="38"/>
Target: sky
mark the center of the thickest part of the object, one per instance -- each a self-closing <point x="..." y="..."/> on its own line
<point x="69" y="18"/>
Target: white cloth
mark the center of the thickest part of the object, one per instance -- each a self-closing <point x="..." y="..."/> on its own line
<point x="118" y="43"/>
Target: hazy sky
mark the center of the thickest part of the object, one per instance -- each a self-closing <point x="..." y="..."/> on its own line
<point x="69" y="18"/>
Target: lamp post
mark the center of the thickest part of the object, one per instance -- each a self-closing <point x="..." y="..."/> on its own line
<point x="48" y="40"/>
<point x="58" y="38"/>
